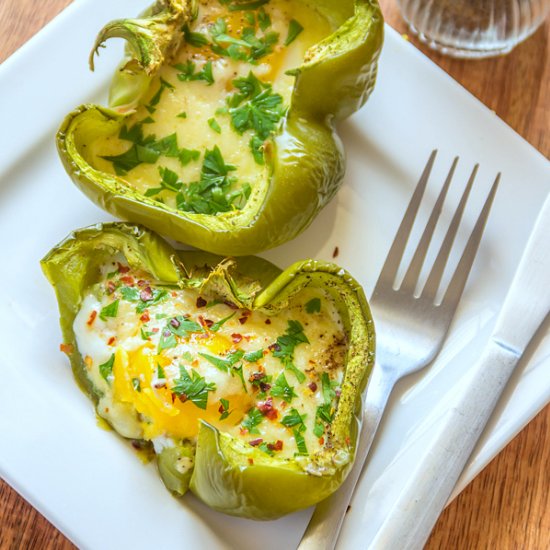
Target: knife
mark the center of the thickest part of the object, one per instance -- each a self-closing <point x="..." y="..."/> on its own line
<point x="525" y="308"/>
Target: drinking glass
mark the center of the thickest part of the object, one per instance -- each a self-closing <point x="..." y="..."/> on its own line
<point x="473" y="28"/>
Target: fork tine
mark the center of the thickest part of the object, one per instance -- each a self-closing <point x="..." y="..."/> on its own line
<point x="434" y="278"/>
<point x="393" y="259"/>
<point x="458" y="281"/>
<point x="411" y="276"/>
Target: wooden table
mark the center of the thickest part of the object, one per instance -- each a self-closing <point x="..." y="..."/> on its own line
<point x="507" y="506"/>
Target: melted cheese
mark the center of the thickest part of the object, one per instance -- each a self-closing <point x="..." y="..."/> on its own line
<point x="137" y="363"/>
<point x="202" y="102"/>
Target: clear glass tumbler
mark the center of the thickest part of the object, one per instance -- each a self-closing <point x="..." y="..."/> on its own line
<point x="473" y="28"/>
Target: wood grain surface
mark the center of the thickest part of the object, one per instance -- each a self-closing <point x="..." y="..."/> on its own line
<point x="507" y="506"/>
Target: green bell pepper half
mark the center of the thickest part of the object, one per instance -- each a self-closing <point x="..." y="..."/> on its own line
<point x="229" y="475"/>
<point x="305" y="157"/>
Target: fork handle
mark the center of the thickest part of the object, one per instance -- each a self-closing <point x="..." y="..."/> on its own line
<point x="326" y="522"/>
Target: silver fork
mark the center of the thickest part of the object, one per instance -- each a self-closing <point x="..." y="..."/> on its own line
<point x="410" y="330"/>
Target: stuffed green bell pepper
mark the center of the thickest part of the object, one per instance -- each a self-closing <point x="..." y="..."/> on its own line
<point x="221" y="125"/>
<point x="243" y="379"/>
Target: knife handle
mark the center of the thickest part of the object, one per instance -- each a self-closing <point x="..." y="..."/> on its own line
<point x="414" y="514"/>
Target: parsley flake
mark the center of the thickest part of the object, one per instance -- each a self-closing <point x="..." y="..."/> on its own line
<point x="294" y="29"/>
<point x="282" y="389"/>
<point x="256" y="108"/>
<point x="187" y="72"/>
<point x="193" y="387"/>
<point x="213" y="123"/>
<point x="109" y="311"/>
<point x="313" y="306"/>
<point x="106" y="369"/>
<point x="286" y="344"/>
<point x="252" y="421"/>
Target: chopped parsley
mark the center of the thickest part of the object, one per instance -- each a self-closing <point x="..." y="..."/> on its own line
<point x="196" y="39"/>
<point x="218" y="324"/>
<point x="263" y="19"/>
<point x="228" y="364"/>
<point x="213" y="123"/>
<point x="109" y="311"/>
<point x="106" y="369"/>
<point x="145" y="334"/>
<point x="131" y="294"/>
<point x="182" y="326"/>
<point x="325" y="413"/>
<point x="164" y="85"/>
<point x="300" y="442"/>
<point x="294" y="29"/>
<point x="193" y="387"/>
<point x="257" y="108"/>
<point x="328" y="393"/>
<point x="160" y="372"/>
<point x="224" y="364"/>
<point x="224" y="409"/>
<point x="167" y="340"/>
<point x="265" y="448"/>
<point x="282" y="389"/>
<point x="183" y="114"/>
<point x="213" y="193"/>
<point x="169" y="182"/>
<point x="286" y="344"/>
<point x="253" y="356"/>
<point x="294" y="419"/>
<point x="147" y="149"/>
<point x="253" y="419"/>
<point x="187" y="72"/>
<point x="313" y="306"/>
<point x="136" y="384"/>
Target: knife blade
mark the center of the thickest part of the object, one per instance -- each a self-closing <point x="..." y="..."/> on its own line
<point x="525" y="308"/>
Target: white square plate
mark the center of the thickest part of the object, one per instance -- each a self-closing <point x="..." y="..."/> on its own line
<point x="85" y="480"/>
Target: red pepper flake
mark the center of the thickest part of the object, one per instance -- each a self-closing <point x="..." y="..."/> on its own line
<point x="348" y="441"/>
<point x="243" y="319"/>
<point x="111" y="287"/>
<point x="146" y="295"/>
<point x="175" y="323"/>
<point x="231" y="305"/>
<point x="243" y="431"/>
<point x="205" y="322"/>
<point x="160" y="385"/>
<point x="335" y="252"/>
<point x="111" y="341"/>
<point x="201" y="302"/>
<point x="267" y="409"/>
<point x="256" y="442"/>
<point x="312" y="386"/>
<point x="321" y="440"/>
<point x="155" y="330"/>
<point x="127" y="279"/>
<point x="123" y="268"/>
<point x="91" y="318"/>
<point x="182" y="397"/>
<point x="236" y="338"/>
<point x="277" y="446"/>
<point x="274" y="347"/>
<point x="251" y="461"/>
<point x="268" y="321"/>
<point x="145" y="317"/>
<point x="66" y="348"/>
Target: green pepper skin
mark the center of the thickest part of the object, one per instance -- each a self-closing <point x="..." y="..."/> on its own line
<point x="223" y="471"/>
<point x="305" y="157"/>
